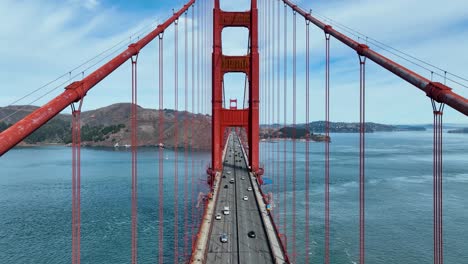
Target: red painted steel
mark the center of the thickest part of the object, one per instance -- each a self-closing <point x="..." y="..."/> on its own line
<point x="327" y="149"/>
<point x="186" y="146"/>
<point x="232" y="105"/>
<point x="192" y="128"/>
<point x="294" y="178"/>
<point x="134" y="140"/>
<point x="362" y="156"/>
<point x="285" y="103"/>
<point x="437" y="185"/>
<point x="223" y="118"/>
<point x="278" y="107"/>
<point x="76" y="185"/>
<point x="307" y="147"/>
<point x="75" y="91"/>
<point x="435" y="90"/>
<point x="176" y="142"/>
<point x="161" y="152"/>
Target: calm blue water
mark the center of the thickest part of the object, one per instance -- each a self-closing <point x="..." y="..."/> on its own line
<point x="35" y="201"/>
<point x="398" y="198"/>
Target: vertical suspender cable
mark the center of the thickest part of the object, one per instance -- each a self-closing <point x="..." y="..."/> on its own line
<point x="205" y="57"/>
<point x="327" y="148"/>
<point x="307" y="172"/>
<point x="186" y="137"/>
<point x="176" y="141"/>
<point x="362" y="153"/>
<point x="73" y="190"/>
<point x="76" y="183"/>
<point x="134" y="159"/>
<point x="265" y="78"/>
<point x="267" y="75"/>
<point x="192" y="187"/>
<point x="207" y="64"/>
<point x="202" y="57"/>
<point x="278" y="103"/>
<point x="294" y="39"/>
<point x="265" y="70"/>
<point x="285" y="102"/>
<point x="271" y="98"/>
<point x="74" y="258"/>
<point x="262" y="74"/>
<point x="78" y="186"/>
<point x="437" y="183"/>
<point x="198" y="58"/>
<point x="434" y="185"/>
<point x="161" y="150"/>
<point x="269" y="84"/>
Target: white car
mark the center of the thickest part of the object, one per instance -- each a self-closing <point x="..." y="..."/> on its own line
<point x="249" y="189"/>
<point x="218" y="217"/>
<point x="243" y="178"/>
<point x="245" y="198"/>
<point x="223" y="238"/>
<point x="232" y="180"/>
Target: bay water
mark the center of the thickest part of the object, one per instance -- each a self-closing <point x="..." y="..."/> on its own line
<point x="35" y="200"/>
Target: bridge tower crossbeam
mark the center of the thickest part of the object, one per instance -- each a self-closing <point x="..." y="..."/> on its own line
<point x="223" y="118"/>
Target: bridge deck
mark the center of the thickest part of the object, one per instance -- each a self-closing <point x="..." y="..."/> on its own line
<point x="244" y="216"/>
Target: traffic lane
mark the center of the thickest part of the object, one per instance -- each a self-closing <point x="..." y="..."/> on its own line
<point x="219" y="251"/>
<point x="253" y="250"/>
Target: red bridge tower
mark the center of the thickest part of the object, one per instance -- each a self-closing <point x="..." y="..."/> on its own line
<point x="249" y="64"/>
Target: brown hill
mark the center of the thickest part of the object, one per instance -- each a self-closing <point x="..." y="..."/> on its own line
<point x="110" y="125"/>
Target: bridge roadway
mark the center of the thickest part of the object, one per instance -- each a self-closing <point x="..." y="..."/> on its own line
<point x="244" y="216"/>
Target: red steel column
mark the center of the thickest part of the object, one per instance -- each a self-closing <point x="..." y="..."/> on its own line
<point x="253" y="93"/>
<point x="217" y="92"/>
<point x="222" y="64"/>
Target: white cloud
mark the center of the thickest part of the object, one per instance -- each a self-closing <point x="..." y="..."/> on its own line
<point x="411" y="26"/>
<point x="43" y="40"/>
<point x="91" y="4"/>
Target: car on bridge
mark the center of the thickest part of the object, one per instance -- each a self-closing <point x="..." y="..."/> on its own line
<point x="218" y="217"/>
<point x="245" y="198"/>
<point x="226" y="210"/>
<point x="251" y="234"/>
<point x="249" y="189"/>
<point x="223" y="238"/>
<point x="232" y="180"/>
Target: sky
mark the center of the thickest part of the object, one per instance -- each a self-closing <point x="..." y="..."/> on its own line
<point x="42" y="40"/>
